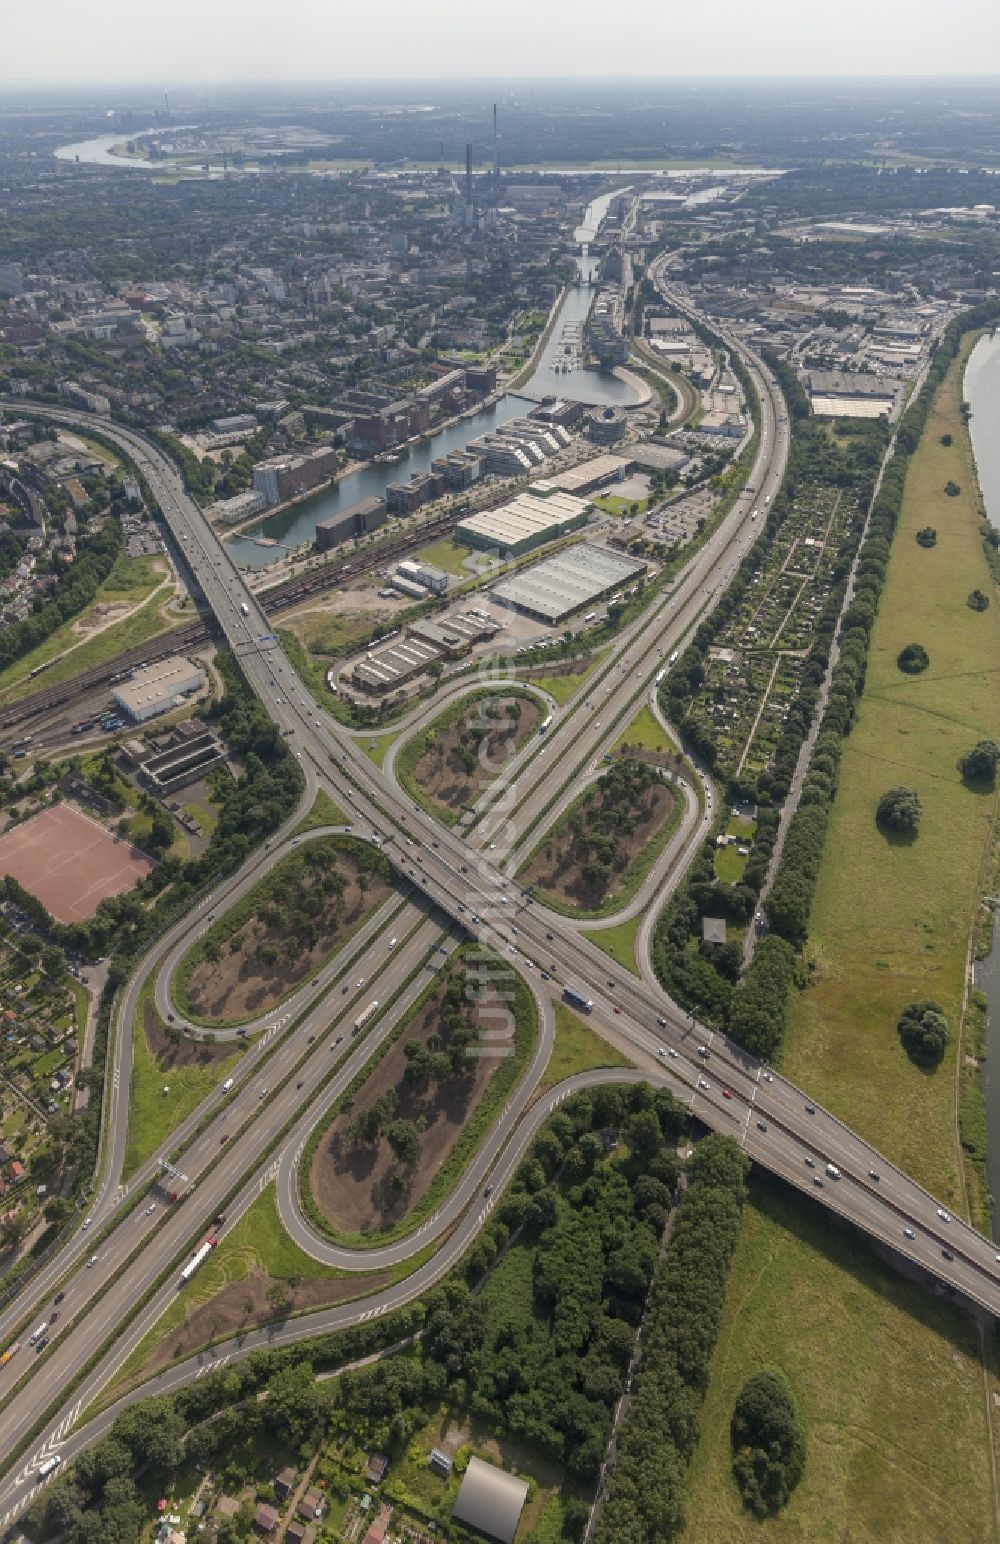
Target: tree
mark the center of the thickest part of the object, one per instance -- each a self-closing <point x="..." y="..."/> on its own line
<point x="768" y="1443"/>
<point x="927" y="536"/>
<point x="644" y="1135"/>
<point x="980" y="764"/>
<point x="946" y="439"/>
<point x="923" y="1029"/>
<point x="977" y="601"/>
<point x="913" y="658"/>
<point x="899" y="809"/>
<point x="53" y="961"/>
<point x="953" y="489"/>
<point x="404" y="1139"/>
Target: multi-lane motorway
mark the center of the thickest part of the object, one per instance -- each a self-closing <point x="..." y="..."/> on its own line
<point x="452" y="884"/>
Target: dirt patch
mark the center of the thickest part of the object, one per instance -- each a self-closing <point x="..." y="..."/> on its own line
<point x="299" y="920"/>
<point x="579" y="865"/>
<point x="103" y="615"/>
<point x="352" y="1180"/>
<point x="187" y="1052"/>
<point x="671" y="759"/>
<point x="463" y="757"/>
<point x="246" y="1305"/>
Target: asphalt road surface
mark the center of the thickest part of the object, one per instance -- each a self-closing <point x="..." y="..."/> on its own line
<point x="453" y="886"/>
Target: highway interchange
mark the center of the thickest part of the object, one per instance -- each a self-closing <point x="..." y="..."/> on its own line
<point x="454" y="882"/>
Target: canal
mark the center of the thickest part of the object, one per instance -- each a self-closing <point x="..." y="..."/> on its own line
<point x="291" y="527"/>
<point x="981" y="390"/>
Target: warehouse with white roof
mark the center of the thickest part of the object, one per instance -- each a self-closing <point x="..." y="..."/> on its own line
<point x="538" y="516"/>
<point x="156" y="688"/>
<point x="558" y="586"/>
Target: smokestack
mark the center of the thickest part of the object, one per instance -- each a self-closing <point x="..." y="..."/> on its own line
<point x="468" y="175"/>
<point x="496" y="150"/>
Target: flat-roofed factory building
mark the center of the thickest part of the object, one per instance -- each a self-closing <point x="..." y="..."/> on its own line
<point x="538" y="516"/>
<point x="558" y="586"/>
<point x="426" y="642"/>
<point x="156" y="688"/>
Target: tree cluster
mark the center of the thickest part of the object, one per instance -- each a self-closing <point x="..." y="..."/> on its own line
<point x="644" y="1501"/>
<point x="547" y="1366"/>
<point x="769" y="1448"/>
<point x="79" y="580"/>
<point x="913" y="658"/>
<point x="923" y="1030"/>
<point x="979" y="765"/>
<point x="606" y="817"/>
<point x="899" y="811"/>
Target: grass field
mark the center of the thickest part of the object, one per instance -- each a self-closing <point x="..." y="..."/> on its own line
<point x="153" y="1115"/>
<point x="618" y="941"/>
<point x="891" y="922"/>
<point x="325" y="812"/>
<point x="577" y="1049"/>
<point x="613" y="505"/>
<point x="646" y="732"/>
<point x="887" y="1379"/>
<point x="446" y="554"/>
<point x="563" y="687"/>
<point x="377" y="746"/>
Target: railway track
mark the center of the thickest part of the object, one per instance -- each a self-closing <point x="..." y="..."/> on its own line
<point x="191" y="635"/>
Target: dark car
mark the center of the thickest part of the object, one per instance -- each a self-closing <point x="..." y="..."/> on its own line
<point x="59" y="1297"/>
<point x="947" y="1254"/>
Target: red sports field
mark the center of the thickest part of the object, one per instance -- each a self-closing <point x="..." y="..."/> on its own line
<point x="69" y="862"/>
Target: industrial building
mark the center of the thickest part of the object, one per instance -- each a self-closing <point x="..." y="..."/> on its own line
<point x="426" y="642"/>
<point x="156" y="688"/>
<point x="423" y="574"/>
<point x="538" y="516"/>
<point x="193" y="750"/>
<point x="357" y="519"/>
<point x="490" y="1500"/>
<point x="588" y="475"/>
<point x="558" y="586"/>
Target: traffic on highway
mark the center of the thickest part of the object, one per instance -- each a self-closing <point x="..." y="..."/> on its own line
<point x="65" y="1331"/>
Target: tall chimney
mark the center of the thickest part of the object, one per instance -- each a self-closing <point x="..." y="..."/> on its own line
<point x="496" y="150"/>
<point x="468" y="175"/>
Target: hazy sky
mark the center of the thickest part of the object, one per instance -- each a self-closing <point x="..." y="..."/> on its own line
<point x="174" y="41"/>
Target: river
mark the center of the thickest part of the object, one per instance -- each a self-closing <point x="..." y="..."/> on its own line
<point x="981" y="389"/>
<point x="97" y="152"/>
